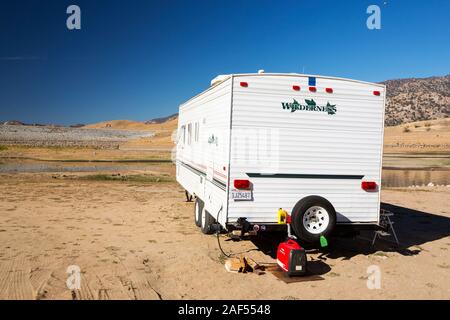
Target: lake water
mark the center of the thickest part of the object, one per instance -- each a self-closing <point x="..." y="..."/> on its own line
<point x="406" y="178"/>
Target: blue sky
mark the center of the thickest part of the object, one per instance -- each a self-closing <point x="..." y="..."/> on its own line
<point x="140" y="59"/>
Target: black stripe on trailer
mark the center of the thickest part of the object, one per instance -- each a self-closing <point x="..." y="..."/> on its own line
<point x="305" y="176"/>
<point x="219" y="184"/>
<point x="216" y="182"/>
<point x="195" y="170"/>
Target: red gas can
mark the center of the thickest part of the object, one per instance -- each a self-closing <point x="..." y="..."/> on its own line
<point x="291" y="257"/>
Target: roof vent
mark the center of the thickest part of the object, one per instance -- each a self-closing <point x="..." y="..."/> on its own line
<point x="260" y="71"/>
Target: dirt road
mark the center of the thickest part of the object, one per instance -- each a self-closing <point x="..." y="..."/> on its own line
<point x="136" y="240"/>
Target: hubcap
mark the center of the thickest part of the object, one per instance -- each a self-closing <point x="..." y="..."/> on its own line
<point x="316" y="220"/>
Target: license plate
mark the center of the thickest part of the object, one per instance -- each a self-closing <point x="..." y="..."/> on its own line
<point x="241" y="195"/>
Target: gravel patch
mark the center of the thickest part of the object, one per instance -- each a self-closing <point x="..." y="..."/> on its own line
<point x="65" y="137"/>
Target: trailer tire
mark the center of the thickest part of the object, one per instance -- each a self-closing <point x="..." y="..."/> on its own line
<point x="198" y="207"/>
<point x="207" y="221"/>
<point x="313" y="217"/>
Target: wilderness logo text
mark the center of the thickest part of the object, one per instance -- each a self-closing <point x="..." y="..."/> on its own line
<point x="310" y="105"/>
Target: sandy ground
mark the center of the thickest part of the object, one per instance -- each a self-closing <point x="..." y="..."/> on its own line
<point x="432" y="136"/>
<point x="138" y="241"/>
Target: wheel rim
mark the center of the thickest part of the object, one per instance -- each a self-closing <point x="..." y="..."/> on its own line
<point x="196" y="211"/>
<point x="316" y="220"/>
<point x="203" y="218"/>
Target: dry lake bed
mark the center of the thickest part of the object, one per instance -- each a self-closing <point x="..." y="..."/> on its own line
<point x="133" y="237"/>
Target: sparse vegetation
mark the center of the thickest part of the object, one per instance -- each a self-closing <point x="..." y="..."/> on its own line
<point x="380" y="254"/>
<point x="334" y="274"/>
<point x="142" y="178"/>
<point x="433" y="138"/>
<point x="3" y="147"/>
<point x="222" y="259"/>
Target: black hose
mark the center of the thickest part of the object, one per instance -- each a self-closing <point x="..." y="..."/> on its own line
<point x="218" y="236"/>
<point x="220" y="247"/>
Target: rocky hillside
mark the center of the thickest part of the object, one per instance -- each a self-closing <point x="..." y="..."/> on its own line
<point x="412" y="99"/>
<point x="163" y="119"/>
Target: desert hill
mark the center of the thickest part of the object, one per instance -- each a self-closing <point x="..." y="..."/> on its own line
<point x="119" y="125"/>
<point x="414" y="99"/>
<point x="163" y="119"/>
<point x="162" y="129"/>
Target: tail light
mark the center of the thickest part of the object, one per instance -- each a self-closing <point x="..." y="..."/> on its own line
<point x="329" y="90"/>
<point x="312" y="89"/>
<point x="369" y="185"/>
<point x="244" y="84"/>
<point x="376" y="93"/>
<point x="296" y="88"/>
<point x="242" y="184"/>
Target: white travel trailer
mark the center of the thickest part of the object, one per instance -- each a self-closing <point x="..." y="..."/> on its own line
<point x="311" y="145"/>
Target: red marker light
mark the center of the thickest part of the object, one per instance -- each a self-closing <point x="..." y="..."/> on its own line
<point x="296" y="88"/>
<point x="369" y="185"/>
<point x="376" y="93"/>
<point x="241" y="184"/>
<point x="244" y="84"/>
<point x="312" y="89"/>
<point x="329" y="90"/>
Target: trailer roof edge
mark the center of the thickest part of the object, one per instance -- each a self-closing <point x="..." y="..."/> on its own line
<point x="235" y="75"/>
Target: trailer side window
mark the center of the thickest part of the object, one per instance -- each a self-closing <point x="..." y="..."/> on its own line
<point x="196" y="132"/>
<point x="183" y="133"/>
<point x="189" y="133"/>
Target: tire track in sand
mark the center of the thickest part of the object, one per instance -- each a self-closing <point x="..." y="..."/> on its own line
<point x="18" y="280"/>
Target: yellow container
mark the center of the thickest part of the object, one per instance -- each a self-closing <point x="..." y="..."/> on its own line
<point x="282" y="216"/>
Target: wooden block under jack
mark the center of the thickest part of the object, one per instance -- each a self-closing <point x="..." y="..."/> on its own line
<point x="254" y="266"/>
<point x="244" y="265"/>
